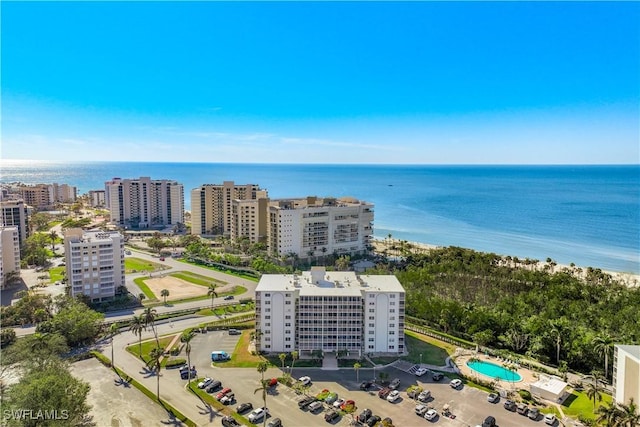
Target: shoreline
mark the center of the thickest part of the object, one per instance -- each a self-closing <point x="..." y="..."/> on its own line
<point x="394" y="248"/>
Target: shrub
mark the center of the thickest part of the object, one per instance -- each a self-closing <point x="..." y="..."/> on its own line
<point x="7" y="337"/>
<point x="525" y="395"/>
<point x="175" y="362"/>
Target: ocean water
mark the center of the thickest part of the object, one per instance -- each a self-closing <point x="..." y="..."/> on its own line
<point x="588" y="215"/>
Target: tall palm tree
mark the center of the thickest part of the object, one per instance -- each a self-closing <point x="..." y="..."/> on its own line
<point x="141" y="297"/>
<point x="136" y="327"/>
<point x="114" y="330"/>
<point x="53" y="236"/>
<point x="593" y="389"/>
<point x="608" y="415"/>
<point x="629" y="414"/>
<point x="603" y="345"/>
<point x="186" y="338"/>
<point x="164" y="294"/>
<point x="264" y="386"/>
<point x="294" y="357"/>
<point x="212" y="293"/>
<point x="356" y="367"/>
<point x="149" y="317"/>
<point x="156" y="364"/>
<point x="282" y="357"/>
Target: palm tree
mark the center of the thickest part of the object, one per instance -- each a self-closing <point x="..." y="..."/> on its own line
<point x="136" y="327"/>
<point x="141" y="297"/>
<point x="629" y="414"/>
<point x="603" y="345"/>
<point x="149" y="317"/>
<point x="186" y="338"/>
<point x="608" y="415"/>
<point x="114" y="330"/>
<point x="164" y="294"/>
<point x="212" y="293"/>
<point x="156" y="364"/>
<point x="593" y="389"/>
<point x="294" y="357"/>
<point x="282" y="357"/>
<point x="53" y="236"/>
<point x="357" y="367"/>
<point x="264" y="386"/>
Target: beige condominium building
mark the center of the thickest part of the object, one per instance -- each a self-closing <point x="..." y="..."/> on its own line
<point x="144" y="203"/>
<point x="94" y="263"/>
<point x="212" y="206"/>
<point x="9" y="254"/>
<point x="96" y="198"/>
<point x="626" y="373"/>
<point x="14" y="213"/>
<point x="330" y="311"/>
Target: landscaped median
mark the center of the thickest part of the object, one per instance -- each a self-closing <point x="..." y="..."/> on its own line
<point x="207" y="398"/>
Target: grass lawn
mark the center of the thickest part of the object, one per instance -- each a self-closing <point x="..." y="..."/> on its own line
<point x="197" y="279"/>
<point x="140" y="281"/>
<point x="225" y="271"/>
<point x="147" y="346"/>
<point x="433" y="352"/>
<point x="56" y="273"/>
<point x="135" y="265"/>
<point x="579" y="404"/>
<point x="241" y="358"/>
<point x="238" y="308"/>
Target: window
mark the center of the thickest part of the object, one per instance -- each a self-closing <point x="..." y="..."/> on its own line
<point x="267" y="295"/>
<point x="287" y="339"/>
<point x="267" y="310"/>
<point x="267" y="324"/>
<point x="372" y="310"/>
<point x="371" y="332"/>
<point x="392" y="332"/>
<point x="392" y="296"/>
<point x="267" y="317"/>
<point x="371" y="325"/>
<point x="372" y="339"/>
<point x="392" y="303"/>
<point x="287" y="317"/>
<point x="267" y="302"/>
<point x="392" y="325"/>
<point x="287" y="302"/>
<point x="372" y="318"/>
<point x="393" y="310"/>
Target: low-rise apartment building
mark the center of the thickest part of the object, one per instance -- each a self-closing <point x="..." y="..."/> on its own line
<point x="330" y="311"/>
<point x="94" y="263"/>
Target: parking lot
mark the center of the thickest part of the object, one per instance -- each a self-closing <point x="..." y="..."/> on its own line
<point x="468" y="405"/>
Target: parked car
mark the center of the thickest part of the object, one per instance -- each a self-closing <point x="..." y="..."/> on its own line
<point x="420" y="372"/>
<point x="550" y="419"/>
<point x="315" y="406"/>
<point x="365" y="385"/>
<point x="244" y="407"/>
<point x="493" y="397"/>
<point x="161" y="258"/>
<point x="330" y="415"/>
<point x="185" y="373"/>
<point x="306" y="401"/>
<point x="305" y="380"/>
<point x="373" y="420"/>
<point x="229" y="421"/>
<point x="489" y="422"/>
<point x="228" y="399"/>
<point x="455" y="383"/>
<point x="383" y="393"/>
<point x="420" y="410"/>
<point x="347" y="404"/>
<point x="533" y="413"/>
<point x="258" y="414"/>
<point x="234" y="332"/>
<point x="205" y="382"/>
<point x="331" y="398"/>
<point x="364" y="415"/>
<point x="339" y="401"/>
<point x="424" y="396"/>
<point x="437" y="376"/>
<point x="431" y="415"/>
<point x="393" y="385"/>
<point x="509" y="405"/>
<point x="228" y="298"/>
<point x="222" y="393"/>
<point x="393" y="396"/>
<point x="215" y="385"/>
<point x="276" y="422"/>
<point x="522" y="409"/>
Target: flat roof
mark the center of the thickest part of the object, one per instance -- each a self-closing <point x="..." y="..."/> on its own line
<point x="550" y="384"/>
<point x="633" y="350"/>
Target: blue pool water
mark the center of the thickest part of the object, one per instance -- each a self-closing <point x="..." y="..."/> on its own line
<point x="494" y="371"/>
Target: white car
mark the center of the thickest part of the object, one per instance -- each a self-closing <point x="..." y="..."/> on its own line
<point x="550" y="419"/>
<point x="393" y="396"/>
<point x="338" y="403"/>
<point x="257" y="414"/>
<point x="455" y="383"/>
<point x="205" y="382"/>
<point x="305" y="380"/>
<point x="421" y="371"/>
<point x="431" y="414"/>
<point x="421" y="410"/>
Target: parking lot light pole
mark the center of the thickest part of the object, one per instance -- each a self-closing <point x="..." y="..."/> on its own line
<point x="421" y="360"/>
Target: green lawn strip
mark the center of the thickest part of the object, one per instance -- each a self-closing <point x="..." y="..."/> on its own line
<point x="140" y="281"/>
<point x="241" y="357"/>
<point x="231" y="309"/>
<point x="431" y="354"/>
<point x="225" y="271"/>
<point x="209" y="399"/>
<point x="579" y="405"/>
<point x="447" y="347"/>
<point x="198" y="279"/>
<point x="56" y="274"/>
<point x="149" y="345"/>
<point x="166" y="406"/>
<point x="136" y="265"/>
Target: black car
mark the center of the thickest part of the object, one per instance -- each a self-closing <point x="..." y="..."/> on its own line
<point x="365" y="385"/>
<point x="306" y="401"/>
<point x="215" y="385"/>
<point x="185" y="374"/>
<point x="373" y="420"/>
<point x="228" y="297"/>
<point x="489" y="422"/>
<point x="229" y="422"/>
<point x="330" y="415"/>
<point x="394" y="384"/>
<point x="244" y="407"/>
<point x="234" y="332"/>
<point x="364" y="415"/>
<point x="437" y="376"/>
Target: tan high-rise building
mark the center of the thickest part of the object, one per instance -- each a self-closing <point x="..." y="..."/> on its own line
<point x="145" y="203"/>
<point x="94" y="263"/>
<point x="212" y="206"/>
<point x="38" y="196"/>
<point x="96" y="198"/>
<point x="14" y="213"/>
<point x="9" y="253"/>
<point x="62" y="193"/>
<point x="626" y="373"/>
<point x="249" y="218"/>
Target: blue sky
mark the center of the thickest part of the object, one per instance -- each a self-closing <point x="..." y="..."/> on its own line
<point x="327" y="82"/>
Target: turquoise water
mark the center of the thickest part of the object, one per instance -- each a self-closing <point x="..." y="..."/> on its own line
<point x="494" y="371"/>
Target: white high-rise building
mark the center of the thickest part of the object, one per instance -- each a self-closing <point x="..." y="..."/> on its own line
<point x="312" y="227"/>
<point x="626" y="373"/>
<point x="144" y="203"/>
<point x="9" y="253"/>
<point x="14" y="213"/>
<point x="94" y="263"/>
<point x="330" y="311"/>
<point x="97" y="198"/>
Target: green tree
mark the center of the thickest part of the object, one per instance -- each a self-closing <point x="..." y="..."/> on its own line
<point x="212" y="293"/>
<point x="35" y="351"/>
<point x="53" y="237"/>
<point x="141" y="297"/>
<point x="593" y="389"/>
<point x="186" y="338"/>
<point x="7" y="337"/>
<point x="149" y="316"/>
<point x="136" y="327"/>
<point x="283" y="358"/>
<point x="294" y="357"/>
<point x="356" y="367"/>
<point x="264" y="386"/>
<point x="155" y="364"/>
<point x="74" y="321"/>
<point x="39" y="221"/>
<point x="608" y="415"/>
<point x="603" y="345"/>
<point x="52" y="387"/>
<point x="34" y="251"/>
<point x="114" y="330"/>
<point x="164" y="294"/>
<point x="629" y="414"/>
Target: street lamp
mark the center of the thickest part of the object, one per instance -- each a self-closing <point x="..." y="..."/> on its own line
<point x="421" y="360"/>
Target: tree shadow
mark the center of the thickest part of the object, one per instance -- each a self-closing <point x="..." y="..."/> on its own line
<point x="172" y="421"/>
<point x="122" y="382"/>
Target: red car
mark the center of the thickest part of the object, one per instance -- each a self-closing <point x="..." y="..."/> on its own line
<point x="223" y="393"/>
<point x="348" y="404"/>
<point x="273" y="382"/>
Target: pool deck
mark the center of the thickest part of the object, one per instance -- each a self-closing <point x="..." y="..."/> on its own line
<point x="526" y="374"/>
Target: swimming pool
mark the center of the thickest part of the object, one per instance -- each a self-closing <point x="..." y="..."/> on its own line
<point x="494" y="371"/>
